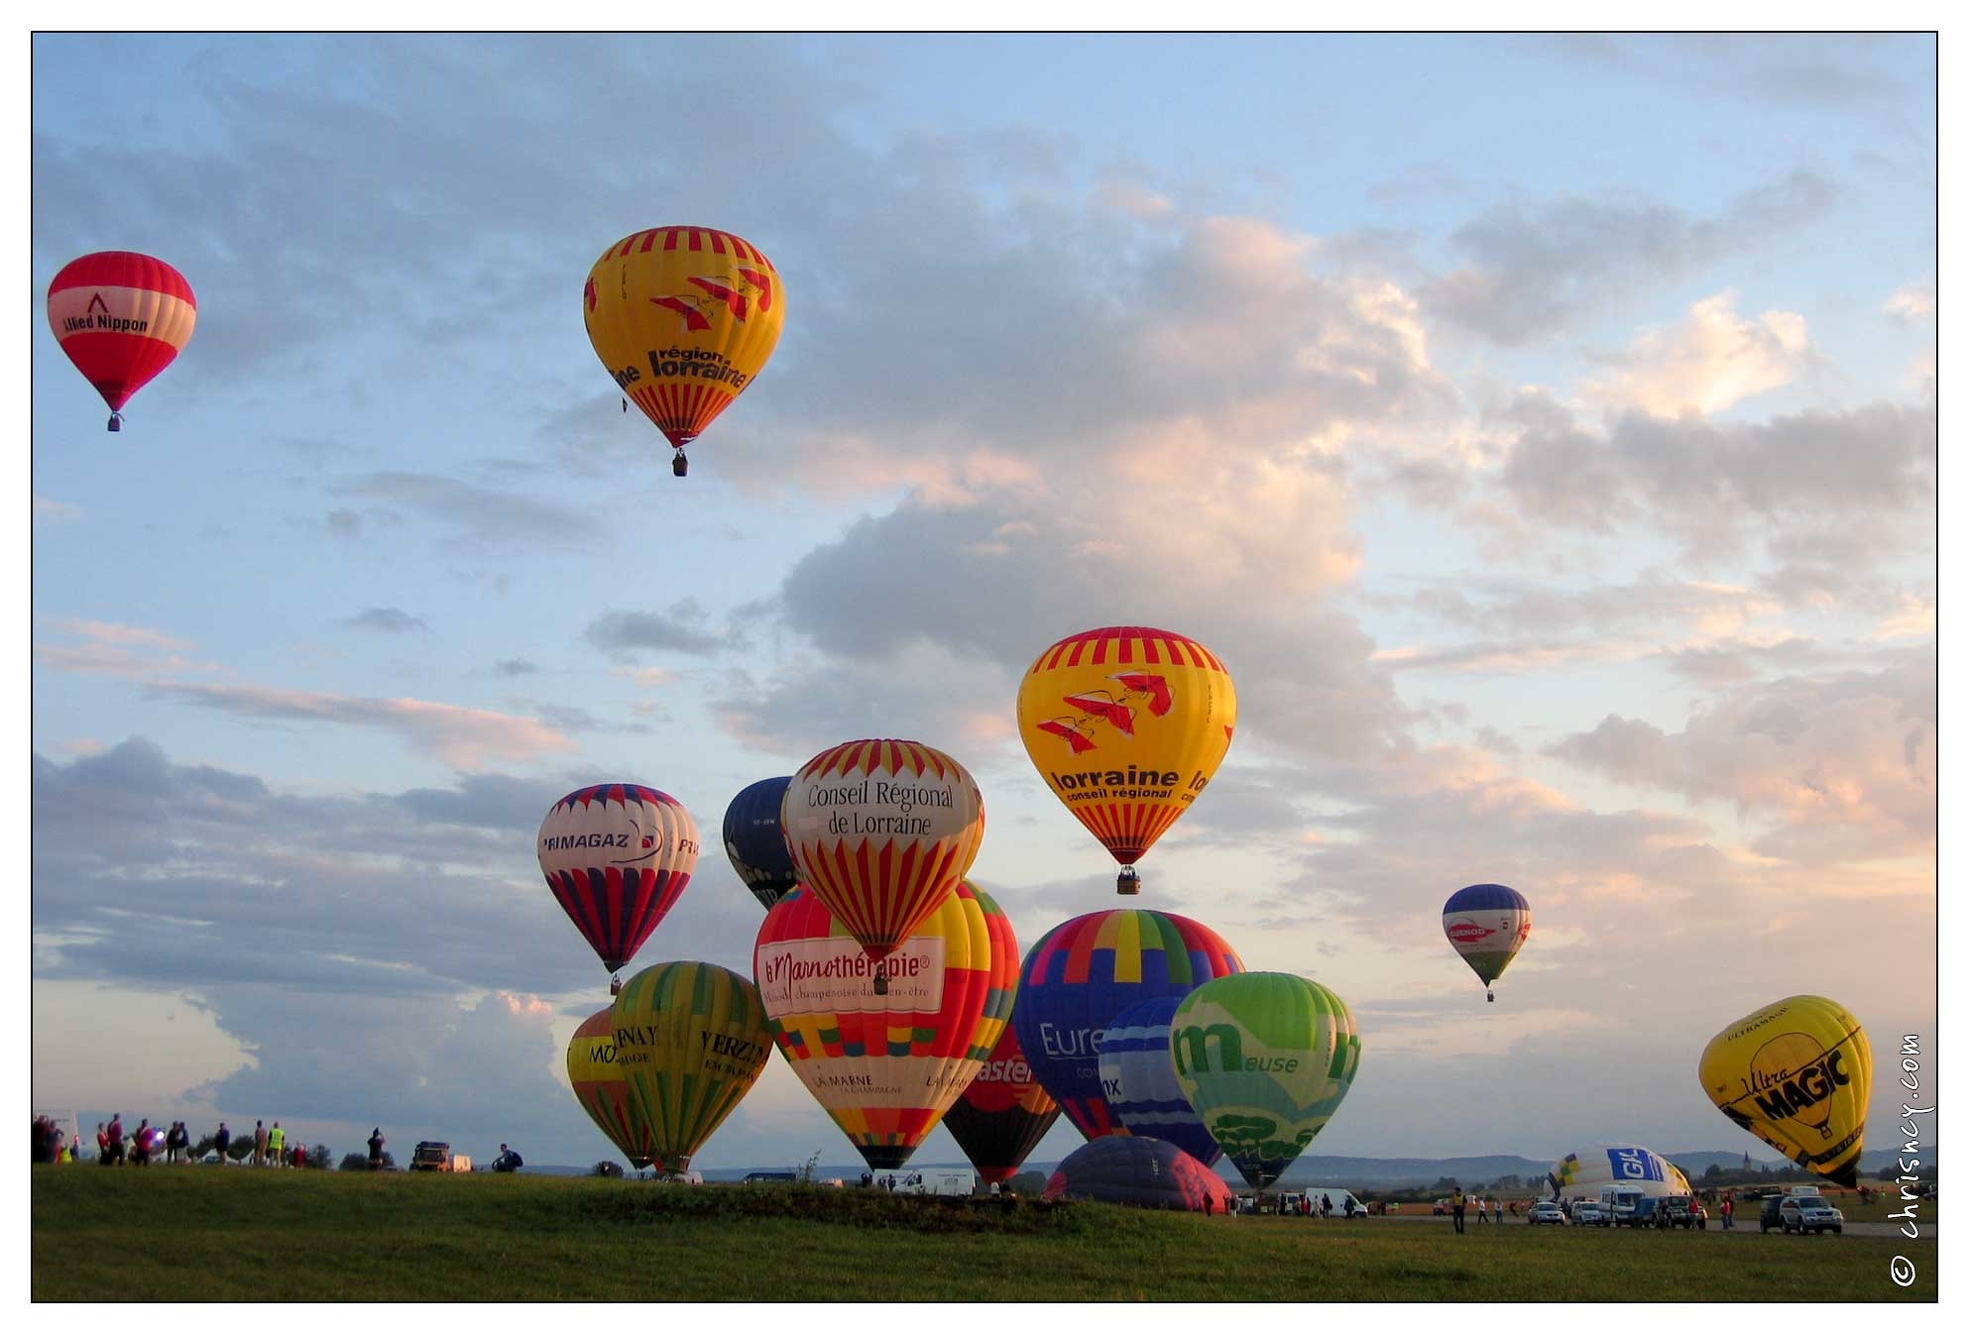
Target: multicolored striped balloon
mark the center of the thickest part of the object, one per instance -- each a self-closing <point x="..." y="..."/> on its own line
<point x="887" y="1066"/>
<point x="1139" y="1080"/>
<point x="599" y="1086"/>
<point x="121" y="317"/>
<point x="691" y="1039"/>
<point x="1487" y="925"/>
<point x="882" y="831"/>
<point x="1003" y="1113"/>
<point x="1127" y="724"/>
<point x="617" y="856"/>
<point x="1265" y="1059"/>
<point x="1086" y="971"/>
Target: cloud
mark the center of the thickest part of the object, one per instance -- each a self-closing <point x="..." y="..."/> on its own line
<point x="1709" y="362"/>
<point x="679" y="630"/>
<point x="390" y="620"/>
<point x="1532" y="270"/>
<point x="515" y="667"/>
<point x="1844" y="765"/>
<point x="117" y="650"/>
<point x="463" y="737"/>
<point x="478" y="517"/>
<point x="54" y="511"/>
<point x="1911" y="304"/>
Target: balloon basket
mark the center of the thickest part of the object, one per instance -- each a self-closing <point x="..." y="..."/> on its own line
<point x="1490" y="998"/>
<point x="881" y="983"/>
<point x="1128" y="882"/>
<point x="615" y="985"/>
<point x="115" y="421"/>
<point x="680" y="465"/>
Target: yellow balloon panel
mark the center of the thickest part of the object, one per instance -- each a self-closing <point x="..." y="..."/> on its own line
<point x="1797" y="1074"/>
<point x="684" y="318"/>
<point x="1127" y="725"/>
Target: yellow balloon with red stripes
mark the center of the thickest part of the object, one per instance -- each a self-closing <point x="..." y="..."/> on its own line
<point x="1127" y="725"/>
<point x="882" y="831"/>
<point x="684" y="318"/>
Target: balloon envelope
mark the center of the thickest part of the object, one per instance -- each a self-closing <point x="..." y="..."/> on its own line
<point x="600" y="1088"/>
<point x="1487" y="925"/>
<point x="1089" y="969"/>
<point x="1139" y="1080"/>
<point x="684" y="318"/>
<point x="1265" y="1059"/>
<point x="756" y="843"/>
<point x="1797" y="1074"/>
<point x="690" y="1039"/>
<point x="1003" y="1112"/>
<point x="886" y="1067"/>
<point x="881" y="831"/>
<point x="1147" y="1173"/>
<point x="1582" y="1174"/>
<point x="121" y="317"/>
<point x="617" y="856"/>
<point x="1127" y="724"/>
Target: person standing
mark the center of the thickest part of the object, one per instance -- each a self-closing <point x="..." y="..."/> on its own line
<point x="102" y="1145"/>
<point x="376" y="1149"/>
<point x="116" y="1138"/>
<point x="277" y="1146"/>
<point x="222" y="1141"/>
<point x="1456" y="1207"/>
<point x="140" y="1147"/>
<point x="259" y="1143"/>
<point x="1729" y="1210"/>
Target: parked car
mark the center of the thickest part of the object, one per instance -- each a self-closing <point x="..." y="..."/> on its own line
<point x="1636" y="1211"/>
<point x="1809" y="1213"/>
<point x="431" y="1156"/>
<point x="1546" y="1211"/>
<point x="1679" y="1211"/>
<point x="1588" y="1213"/>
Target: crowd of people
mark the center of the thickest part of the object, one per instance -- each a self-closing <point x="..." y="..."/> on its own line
<point x="117" y="1147"/>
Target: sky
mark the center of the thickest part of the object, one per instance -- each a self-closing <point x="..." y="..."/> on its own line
<point x="1541" y="429"/>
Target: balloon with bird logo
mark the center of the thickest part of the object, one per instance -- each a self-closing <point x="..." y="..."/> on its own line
<point x="887" y="1066"/>
<point x="1085" y="972"/>
<point x="1127" y="725"/>
<point x="882" y="831"/>
<point x="1265" y="1059"/>
<point x="691" y="1039"/>
<point x="600" y="1088"/>
<point x="1003" y="1112"/>
<point x="1487" y="925"/>
<point x="756" y="844"/>
<point x="684" y="318"/>
<point x="617" y="856"/>
<point x="1797" y="1074"/>
<point x="122" y="318"/>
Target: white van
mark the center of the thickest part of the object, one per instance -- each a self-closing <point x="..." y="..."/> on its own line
<point x="1345" y="1203"/>
<point x="1617" y="1202"/>
<point x="937" y="1181"/>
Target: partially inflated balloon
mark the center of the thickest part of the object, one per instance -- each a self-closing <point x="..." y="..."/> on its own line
<point x="599" y="1086"/>
<point x="684" y="318"/>
<point x="1487" y="924"/>
<point x="1127" y="724"/>
<point x="690" y="1039"/>
<point x="1003" y="1112"/>
<point x="121" y="317"/>
<point x="882" y="831"/>
<point x="1086" y="971"/>
<point x="757" y="845"/>
<point x="1581" y="1175"/>
<point x="1147" y="1173"/>
<point x="1265" y="1059"/>
<point x="1139" y="1080"/>
<point x="886" y="1066"/>
<point x="617" y="856"/>
<point x="1797" y="1074"/>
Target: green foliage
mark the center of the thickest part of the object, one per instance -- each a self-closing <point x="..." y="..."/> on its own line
<point x="607" y="1168"/>
<point x="398" y="1237"/>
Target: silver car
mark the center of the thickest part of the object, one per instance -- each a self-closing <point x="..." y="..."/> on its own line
<point x="1546" y="1211"/>
<point x="1588" y="1213"/>
<point x="1809" y="1213"/>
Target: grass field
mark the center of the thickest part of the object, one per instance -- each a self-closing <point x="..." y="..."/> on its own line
<point x="201" y="1234"/>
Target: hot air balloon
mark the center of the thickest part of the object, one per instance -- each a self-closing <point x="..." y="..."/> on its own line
<point x="684" y="318"/>
<point x="1127" y="725"/>
<point x="881" y="831"/>
<point x="1487" y="924"/>
<point x="600" y="1088"/>
<point x="1147" y="1173"/>
<point x="1003" y="1113"/>
<point x="1797" y="1074"/>
<point x="1139" y="1080"/>
<point x="1086" y="971"/>
<point x="1265" y="1059"/>
<point x="757" y="845"/>
<point x="690" y="1040"/>
<point x="886" y="1066"/>
<point x="121" y="317"/>
<point x="617" y="855"/>
<point x="1580" y="1175"/>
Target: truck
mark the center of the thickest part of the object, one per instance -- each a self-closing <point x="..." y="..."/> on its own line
<point x="1345" y="1203"/>
<point x="434" y="1156"/>
<point x="937" y="1181"/>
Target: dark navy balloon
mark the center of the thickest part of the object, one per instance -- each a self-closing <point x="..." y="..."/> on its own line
<point x="1139" y="1079"/>
<point x="756" y="843"/>
<point x="1148" y="1173"/>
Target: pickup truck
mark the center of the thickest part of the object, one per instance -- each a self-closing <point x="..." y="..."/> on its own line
<point x="432" y="1156"/>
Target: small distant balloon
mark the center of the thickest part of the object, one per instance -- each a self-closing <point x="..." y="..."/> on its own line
<point x="1487" y="925"/>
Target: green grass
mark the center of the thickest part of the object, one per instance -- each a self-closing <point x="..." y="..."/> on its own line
<point x="210" y="1235"/>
